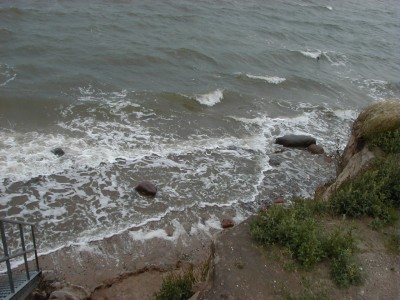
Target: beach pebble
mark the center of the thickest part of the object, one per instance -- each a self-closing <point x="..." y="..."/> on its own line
<point x="226" y="223"/>
<point x="169" y="230"/>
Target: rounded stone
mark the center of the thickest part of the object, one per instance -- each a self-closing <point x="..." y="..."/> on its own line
<point x="315" y="149"/>
<point x="146" y="188"/>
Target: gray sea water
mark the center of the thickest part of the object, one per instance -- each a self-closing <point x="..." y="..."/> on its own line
<point x="187" y="94"/>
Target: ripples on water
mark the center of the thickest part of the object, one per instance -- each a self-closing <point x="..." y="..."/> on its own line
<point x="190" y="95"/>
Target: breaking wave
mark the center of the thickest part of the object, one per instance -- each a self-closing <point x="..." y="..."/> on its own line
<point x="210" y="99"/>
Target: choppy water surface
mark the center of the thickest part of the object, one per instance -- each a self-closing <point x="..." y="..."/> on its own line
<point x="187" y="94"/>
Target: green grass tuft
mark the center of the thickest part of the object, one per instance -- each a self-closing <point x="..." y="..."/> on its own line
<point x="177" y="286"/>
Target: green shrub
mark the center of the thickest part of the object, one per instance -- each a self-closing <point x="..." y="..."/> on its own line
<point x="338" y="242"/>
<point x="177" y="286"/>
<point x="297" y="228"/>
<point x="340" y="248"/>
<point x="294" y="228"/>
<point x="375" y="193"/>
<point x="345" y="271"/>
<point x="388" y="141"/>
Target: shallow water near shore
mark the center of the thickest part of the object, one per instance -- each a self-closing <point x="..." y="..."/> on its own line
<point x="189" y="95"/>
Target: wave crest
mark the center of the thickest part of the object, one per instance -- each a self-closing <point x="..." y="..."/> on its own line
<point x="269" y="79"/>
<point x="312" y="53"/>
<point x="7" y="74"/>
<point x="210" y="99"/>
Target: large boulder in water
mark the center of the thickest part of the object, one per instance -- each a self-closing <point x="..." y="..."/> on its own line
<point x="146" y="188"/>
<point x="293" y="140"/>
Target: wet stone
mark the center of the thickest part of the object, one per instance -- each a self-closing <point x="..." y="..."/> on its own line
<point x="170" y="230"/>
<point x="146" y="188"/>
<point x="315" y="149"/>
<point x="227" y="223"/>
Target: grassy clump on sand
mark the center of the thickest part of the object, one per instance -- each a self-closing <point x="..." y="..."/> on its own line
<point x="177" y="286"/>
<point x="298" y="229"/>
<point x="180" y="285"/>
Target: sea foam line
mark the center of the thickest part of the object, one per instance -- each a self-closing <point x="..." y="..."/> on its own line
<point x="269" y="79"/>
<point x="312" y="54"/>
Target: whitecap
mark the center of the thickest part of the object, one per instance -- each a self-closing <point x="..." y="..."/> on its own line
<point x="312" y="53"/>
<point x="8" y="80"/>
<point x="210" y="99"/>
<point x="7" y="74"/>
<point x="336" y="59"/>
<point x="329" y="7"/>
<point x="269" y="79"/>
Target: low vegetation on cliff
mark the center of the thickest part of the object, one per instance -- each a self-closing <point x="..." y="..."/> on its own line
<point x="376" y="192"/>
<point x="305" y="228"/>
<point x="298" y="229"/>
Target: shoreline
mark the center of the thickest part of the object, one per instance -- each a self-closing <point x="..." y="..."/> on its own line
<point x="105" y="260"/>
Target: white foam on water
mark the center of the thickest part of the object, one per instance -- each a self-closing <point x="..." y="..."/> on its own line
<point x="88" y="93"/>
<point x="310" y="120"/>
<point x="336" y="59"/>
<point x="8" y="80"/>
<point x="269" y="79"/>
<point x="23" y="156"/>
<point x="312" y="53"/>
<point x="346" y="114"/>
<point x="97" y="141"/>
<point x="210" y="99"/>
<point x="143" y="235"/>
<point x="7" y="74"/>
<point x="329" y="7"/>
<point x="213" y="222"/>
<point x="376" y="88"/>
<point x="28" y="155"/>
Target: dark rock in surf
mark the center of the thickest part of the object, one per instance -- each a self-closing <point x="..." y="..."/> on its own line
<point x="227" y="223"/>
<point x="58" y="152"/>
<point x="169" y="230"/>
<point x="315" y="149"/>
<point x="293" y="140"/>
<point x="146" y="188"/>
